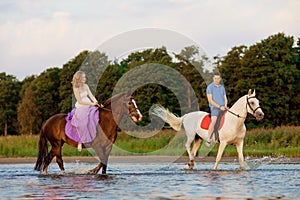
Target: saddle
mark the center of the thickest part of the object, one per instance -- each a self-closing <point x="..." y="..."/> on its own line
<point x="219" y="123"/>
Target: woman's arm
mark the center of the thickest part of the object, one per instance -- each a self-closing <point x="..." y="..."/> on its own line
<point x="91" y="96"/>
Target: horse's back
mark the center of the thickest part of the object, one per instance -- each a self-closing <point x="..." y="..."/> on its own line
<point x="192" y="120"/>
<point x="196" y="115"/>
<point x="54" y="125"/>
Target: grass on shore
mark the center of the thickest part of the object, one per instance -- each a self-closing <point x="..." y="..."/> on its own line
<point x="281" y="141"/>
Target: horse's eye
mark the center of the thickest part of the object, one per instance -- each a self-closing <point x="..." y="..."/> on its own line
<point x="252" y="103"/>
<point x="129" y="103"/>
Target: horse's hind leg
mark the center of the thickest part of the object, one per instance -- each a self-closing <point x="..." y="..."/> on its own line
<point x="188" y="149"/>
<point x="48" y="160"/>
<point x="197" y="142"/>
<point x="55" y="151"/>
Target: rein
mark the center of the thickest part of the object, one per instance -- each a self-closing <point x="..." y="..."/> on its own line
<point x="237" y="115"/>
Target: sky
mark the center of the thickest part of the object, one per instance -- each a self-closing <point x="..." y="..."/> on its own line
<point x="38" y="34"/>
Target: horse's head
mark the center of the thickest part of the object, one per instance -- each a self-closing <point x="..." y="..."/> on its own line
<point x="133" y="110"/>
<point x="253" y="106"/>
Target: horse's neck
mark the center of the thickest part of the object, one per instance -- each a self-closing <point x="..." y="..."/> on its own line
<point x="239" y="107"/>
<point x="114" y="114"/>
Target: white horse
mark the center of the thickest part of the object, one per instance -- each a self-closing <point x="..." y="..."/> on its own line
<point x="233" y="130"/>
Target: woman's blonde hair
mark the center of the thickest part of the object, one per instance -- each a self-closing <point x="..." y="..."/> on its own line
<point x="77" y="79"/>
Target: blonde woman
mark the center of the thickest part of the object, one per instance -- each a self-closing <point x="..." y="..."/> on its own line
<point x="82" y="121"/>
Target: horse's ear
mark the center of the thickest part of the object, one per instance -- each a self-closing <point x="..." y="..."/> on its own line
<point x="130" y="94"/>
<point x="249" y="92"/>
<point x="133" y="94"/>
<point x="254" y="93"/>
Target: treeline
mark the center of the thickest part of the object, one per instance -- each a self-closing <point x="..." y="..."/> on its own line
<point x="271" y="67"/>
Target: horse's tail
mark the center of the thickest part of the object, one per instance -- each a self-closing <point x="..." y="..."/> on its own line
<point x="163" y="113"/>
<point x="43" y="151"/>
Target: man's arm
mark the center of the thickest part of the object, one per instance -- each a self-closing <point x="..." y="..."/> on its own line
<point x="211" y="101"/>
<point x="225" y="100"/>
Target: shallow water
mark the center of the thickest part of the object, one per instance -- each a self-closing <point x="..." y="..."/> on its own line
<point x="152" y="181"/>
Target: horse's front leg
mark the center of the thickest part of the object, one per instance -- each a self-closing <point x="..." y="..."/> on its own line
<point x="220" y="153"/>
<point x="239" y="148"/>
<point x="104" y="169"/>
<point x="96" y="169"/>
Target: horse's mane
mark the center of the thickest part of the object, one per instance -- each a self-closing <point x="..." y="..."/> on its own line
<point x="113" y="98"/>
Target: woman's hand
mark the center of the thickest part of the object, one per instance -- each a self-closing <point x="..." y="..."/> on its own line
<point x="95" y="103"/>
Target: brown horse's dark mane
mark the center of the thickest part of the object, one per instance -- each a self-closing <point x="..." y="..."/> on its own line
<point x="116" y="97"/>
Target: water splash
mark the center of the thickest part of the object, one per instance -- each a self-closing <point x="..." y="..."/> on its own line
<point x="254" y="163"/>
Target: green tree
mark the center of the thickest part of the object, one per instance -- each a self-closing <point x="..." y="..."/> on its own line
<point x="66" y="75"/>
<point x="28" y="113"/>
<point x="269" y="67"/>
<point x="9" y="98"/>
<point x="39" y="101"/>
<point x="46" y="95"/>
<point x="191" y="66"/>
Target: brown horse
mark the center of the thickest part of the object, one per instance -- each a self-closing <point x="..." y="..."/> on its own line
<point x="53" y="130"/>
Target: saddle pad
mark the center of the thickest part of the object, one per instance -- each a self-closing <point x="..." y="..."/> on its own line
<point x="206" y="121"/>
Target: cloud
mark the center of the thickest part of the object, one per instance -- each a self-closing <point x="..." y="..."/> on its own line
<point x="36" y="41"/>
<point x="35" y="35"/>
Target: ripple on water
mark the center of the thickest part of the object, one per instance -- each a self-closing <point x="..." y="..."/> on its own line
<point x="152" y="181"/>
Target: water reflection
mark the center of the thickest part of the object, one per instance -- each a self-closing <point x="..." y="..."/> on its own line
<point x="152" y="181"/>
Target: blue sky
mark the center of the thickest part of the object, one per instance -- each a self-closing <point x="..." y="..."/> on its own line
<point x="36" y="35"/>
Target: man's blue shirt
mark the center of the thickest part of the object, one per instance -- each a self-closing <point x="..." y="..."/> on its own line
<point x="217" y="93"/>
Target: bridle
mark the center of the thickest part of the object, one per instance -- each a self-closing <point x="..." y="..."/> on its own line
<point x="248" y="104"/>
<point x="135" y="106"/>
<point x="132" y="100"/>
<point x="253" y="110"/>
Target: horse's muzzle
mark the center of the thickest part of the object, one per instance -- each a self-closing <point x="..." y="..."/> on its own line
<point x="259" y="115"/>
<point x="136" y="117"/>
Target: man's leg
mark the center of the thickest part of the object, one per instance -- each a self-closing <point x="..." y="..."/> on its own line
<point x="211" y="130"/>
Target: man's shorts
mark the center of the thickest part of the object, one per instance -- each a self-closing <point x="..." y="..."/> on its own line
<point x="214" y="112"/>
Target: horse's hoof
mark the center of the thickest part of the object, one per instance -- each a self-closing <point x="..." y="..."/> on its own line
<point x="92" y="172"/>
<point x="44" y="172"/>
<point x="186" y="167"/>
<point x="62" y="172"/>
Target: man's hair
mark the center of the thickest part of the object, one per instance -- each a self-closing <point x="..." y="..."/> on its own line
<point x="217" y="74"/>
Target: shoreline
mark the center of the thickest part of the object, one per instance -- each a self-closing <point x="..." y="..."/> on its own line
<point x="143" y="159"/>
